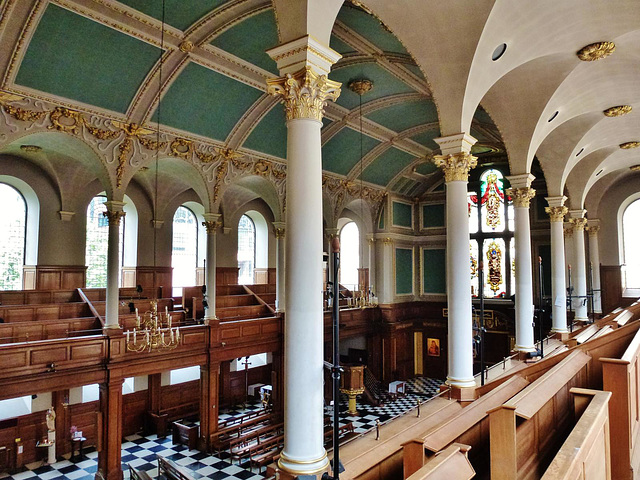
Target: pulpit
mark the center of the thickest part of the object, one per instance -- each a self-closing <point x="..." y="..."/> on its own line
<point x="352" y="384"/>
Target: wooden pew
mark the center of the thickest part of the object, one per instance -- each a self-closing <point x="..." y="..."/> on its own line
<point x="172" y="470"/>
<point x="586" y="452"/>
<point x="48" y="329"/>
<point x="468" y="425"/>
<point x="524" y="429"/>
<point x="221" y="439"/>
<point x="452" y="463"/>
<point x="138" y="474"/>
<point x="30" y="297"/>
<point x="248" y="443"/>
<point x="620" y="377"/>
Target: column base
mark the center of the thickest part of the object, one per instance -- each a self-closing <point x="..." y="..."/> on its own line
<point x="582" y="319"/>
<point x="296" y="468"/>
<point x="461" y="382"/>
<point x="525" y="348"/>
<point x="464" y="394"/>
<point x="112" y="330"/>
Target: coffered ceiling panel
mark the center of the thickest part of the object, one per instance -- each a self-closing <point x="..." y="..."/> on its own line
<point x="73" y="57"/>
<point x="342" y="152"/>
<point x="270" y="135"/>
<point x="386" y="166"/>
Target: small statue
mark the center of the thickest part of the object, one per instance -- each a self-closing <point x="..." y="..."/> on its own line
<point x="51" y="419"/>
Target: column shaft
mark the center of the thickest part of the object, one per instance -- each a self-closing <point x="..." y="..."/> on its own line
<point x="580" y="277"/>
<point x="558" y="284"/>
<point x="211" y="224"/>
<point x="109" y="456"/>
<point x="524" y="282"/>
<point x="114" y="213"/>
<point x="594" y="257"/>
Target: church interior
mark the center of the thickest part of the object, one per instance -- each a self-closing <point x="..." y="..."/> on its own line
<point x="198" y="198"/>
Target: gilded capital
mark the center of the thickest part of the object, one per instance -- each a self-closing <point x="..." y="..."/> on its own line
<point x="211" y="226"/>
<point x="568" y="232"/>
<point x="593" y="230"/>
<point x="456" y="166"/>
<point x="556" y="214"/>
<point x="387" y="241"/>
<point x="578" y="224"/>
<point x="304" y="93"/>
<point x="278" y="232"/>
<point x="521" y="196"/>
<point x="114" y="216"/>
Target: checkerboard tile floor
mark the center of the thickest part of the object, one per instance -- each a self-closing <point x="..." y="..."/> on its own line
<point x="140" y="452"/>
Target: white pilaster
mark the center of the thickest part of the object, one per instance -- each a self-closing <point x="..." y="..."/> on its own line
<point x="522" y="194"/>
<point x="456" y="161"/>
<point x="557" y="211"/>
<point x="279" y="231"/>
<point x="593" y="227"/>
<point x="305" y="90"/>
<point x="579" y="271"/>
<point x="115" y="211"/>
<point x="211" y="223"/>
<point x="371" y="243"/>
<point x="385" y="280"/>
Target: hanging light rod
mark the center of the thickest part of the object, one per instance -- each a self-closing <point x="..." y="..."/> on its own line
<point x="360" y="86"/>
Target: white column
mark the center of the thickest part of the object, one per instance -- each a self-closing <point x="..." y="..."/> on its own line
<point x="211" y="223"/>
<point x="279" y="232"/>
<point x="593" y="227"/>
<point x="330" y="234"/>
<point x="305" y="90"/>
<point x="371" y="242"/>
<point x="456" y="161"/>
<point x="522" y="194"/>
<point x="579" y="272"/>
<point x="386" y="280"/>
<point x="557" y="211"/>
<point x="114" y="213"/>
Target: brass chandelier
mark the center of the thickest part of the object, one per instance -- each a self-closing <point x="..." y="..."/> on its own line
<point x="153" y="331"/>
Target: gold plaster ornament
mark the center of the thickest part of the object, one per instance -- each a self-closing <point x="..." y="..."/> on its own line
<point x="635" y="168"/>
<point x="114" y="216"/>
<point x="556" y="214"/>
<point x="617" y="111"/>
<point x="30" y="148"/>
<point x="456" y="166"/>
<point x="211" y="226"/>
<point x="181" y="147"/>
<point x="360" y="86"/>
<point x="304" y="93"/>
<point x="278" y="232"/>
<point x="578" y="224"/>
<point x="596" y="51"/>
<point x="521" y="196"/>
<point x="593" y="230"/>
<point x="66" y="120"/>
<point x="186" y="46"/>
<point x="629" y="145"/>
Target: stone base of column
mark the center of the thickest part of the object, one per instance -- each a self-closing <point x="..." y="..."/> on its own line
<point x="525" y="349"/>
<point x="290" y="468"/>
<point x="112" y="330"/>
<point x="562" y="335"/>
<point x="461" y="382"/>
<point x="461" y="394"/>
<point x="582" y="319"/>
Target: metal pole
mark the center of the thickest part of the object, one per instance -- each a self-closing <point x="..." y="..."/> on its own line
<point x="591" y="302"/>
<point x="481" y="292"/>
<point x="540" y="312"/>
<point x="335" y="244"/>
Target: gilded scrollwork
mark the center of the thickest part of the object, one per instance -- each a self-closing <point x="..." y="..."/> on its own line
<point x="66" y="120"/>
<point x="521" y="196"/>
<point x="556" y="214"/>
<point x="456" y="166"/>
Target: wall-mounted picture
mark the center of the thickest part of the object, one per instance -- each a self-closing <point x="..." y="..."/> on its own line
<point x="433" y="347"/>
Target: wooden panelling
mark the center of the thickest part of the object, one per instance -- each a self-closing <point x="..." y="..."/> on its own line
<point x="155" y="277"/>
<point x="226" y="275"/>
<point x="60" y="277"/>
<point x="611" y="285"/>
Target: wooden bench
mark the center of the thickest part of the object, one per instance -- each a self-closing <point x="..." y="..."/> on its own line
<point x="246" y="445"/>
<point x="620" y="377"/>
<point x="221" y="439"/>
<point x="49" y="329"/>
<point x="585" y="452"/>
<point x="523" y="430"/>
<point x="138" y="474"/>
<point x="45" y="311"/>
<point x="29" y="297"/>
<point x="469" y="424"/>
<point x="172" y="470"/>
<point x="452" y="462"/>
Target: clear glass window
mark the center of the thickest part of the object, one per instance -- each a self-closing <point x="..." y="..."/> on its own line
<point x="184" y="252"/>
<point x="246" y="250"/>
<point x="13" y="221"/>
<point x="97" y="243"/>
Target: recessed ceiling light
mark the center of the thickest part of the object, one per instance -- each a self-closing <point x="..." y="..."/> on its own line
<point x="30" y="148"/>
<point x="602" y="170"/>
<point x="553" y="117"/>
<point x="596" y="51"/>
<point x="617" y="111"/>
<point x="499" y="52"/>
<point x="629" y="145"/>
<point x="581" y="150"/>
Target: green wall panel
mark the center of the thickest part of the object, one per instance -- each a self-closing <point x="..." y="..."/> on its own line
<point x="67" y="57"/>
<point x="270" y="135"/>
<point x="206" y="102"/>
<point x="382" y="170"/>
<point x="402" y="214"/>
<point x="176" y="13"/>
<point x="434" y="267"/>
<point x="404" y="271"/>
<point x="242" y="41"/>
<point x="432" y="216"/>
<point x="342" y="152"/>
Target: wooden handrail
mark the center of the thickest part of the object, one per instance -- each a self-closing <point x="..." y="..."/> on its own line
<point x="452" y="459"/>
<point x="91" y="307"/>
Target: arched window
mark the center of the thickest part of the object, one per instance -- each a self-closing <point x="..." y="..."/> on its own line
<point x="349" y="256"/>
<point x="97" y="243"/>
<point x="184" y="254"/>
<point x="13" y="222"/>
<point x="491" y="225"/>
<point x="630" y="231"/>
<point x="246" y="249"/>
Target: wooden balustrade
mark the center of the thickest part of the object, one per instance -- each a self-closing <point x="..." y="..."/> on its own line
<point x="585" y="454"/>
<point x="525" y="430"/>
<point x="29" y="297"/>
<point x="620" y="376"/>
<point x="48" y="329"/>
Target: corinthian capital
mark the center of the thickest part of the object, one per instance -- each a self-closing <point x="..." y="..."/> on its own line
<point x="556" y="214"/>
<point x="114" y="216"/>
<point x="593" y="230"/>
<point x="578" y="224"/>
<point x="521" y="196"/>
<point x="304" y="93"/>
<point x="456" y="166"/>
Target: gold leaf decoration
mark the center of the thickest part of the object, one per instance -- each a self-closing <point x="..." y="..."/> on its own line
<point x="596" y="51"/>
<point x="617" y="111"/>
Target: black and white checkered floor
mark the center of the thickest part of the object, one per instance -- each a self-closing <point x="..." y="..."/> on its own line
<point x="140" y="452"/>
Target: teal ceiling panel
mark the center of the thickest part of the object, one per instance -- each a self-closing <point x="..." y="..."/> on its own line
<point x="386" y="166"/>
<point x="405" y="115"/>
<point x="339" y="46"/>
<point x="426" y="138"/>
<point x="175" y="12"/>
<point x="68" y="57"/>
<point x="384" y="83"/>
<point x="426" y="168"/>
<point x="370" y="27"/>
<point x="270" y="135"/>
<point x="242" y="40"/>
<point x="206" y="102"/>
<point x="342" y="152"/>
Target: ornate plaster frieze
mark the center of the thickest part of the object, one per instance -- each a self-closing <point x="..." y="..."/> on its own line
<point x="521" y="196"/>
<point x="556" y="214"/>
<point x="342" y="191"/>
<point x="456" y="166"/>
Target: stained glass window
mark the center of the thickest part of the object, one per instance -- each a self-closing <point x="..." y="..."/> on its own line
<point x="491" y="225"/>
